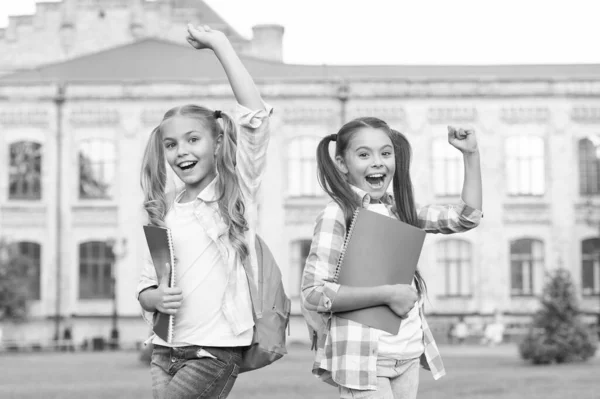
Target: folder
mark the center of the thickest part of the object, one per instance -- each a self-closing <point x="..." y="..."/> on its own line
<point x="378" y="250"/>
<point x="160" y="243"/>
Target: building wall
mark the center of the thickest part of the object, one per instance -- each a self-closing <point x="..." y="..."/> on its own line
<point x="558" y="217"/>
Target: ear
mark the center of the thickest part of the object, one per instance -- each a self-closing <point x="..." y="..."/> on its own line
<point x="218" y="143"/>
<point x="341" y="165"/>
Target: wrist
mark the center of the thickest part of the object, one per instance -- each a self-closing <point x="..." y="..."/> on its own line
<point x="386" y="294"/>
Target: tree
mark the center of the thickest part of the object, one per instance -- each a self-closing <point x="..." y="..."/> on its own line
<point x="16" y="271"/>
<point x="557" y="333"/>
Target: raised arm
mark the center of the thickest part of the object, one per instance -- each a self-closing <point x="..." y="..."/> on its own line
<point x="242" y="84"/>
<point x="466" y="142"/>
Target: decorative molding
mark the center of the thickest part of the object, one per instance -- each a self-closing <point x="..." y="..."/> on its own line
<point x="94" y="117"/>
<point x="302" y="214"/>
<point x="532" y="213"/>
<point x="25" y="118"/>
<point x="584" y="114"/>
<point x="319" y="115"/>
<point x="388" y="114"/>
<point x="95" y="216"/>
<point x="456" y="114"/>
<point x="522" y="115"/>
<point x="22" y="216"/>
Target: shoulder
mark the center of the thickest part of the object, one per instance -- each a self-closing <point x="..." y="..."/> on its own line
<point x="331" y="218"/>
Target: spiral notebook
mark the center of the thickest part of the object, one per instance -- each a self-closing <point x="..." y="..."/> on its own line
<point x="378" y="250"/>
<point x="160" y="243"/>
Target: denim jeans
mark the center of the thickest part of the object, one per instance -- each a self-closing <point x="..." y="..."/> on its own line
<point x="396" y="379"/>
<point x="179" y="373"/>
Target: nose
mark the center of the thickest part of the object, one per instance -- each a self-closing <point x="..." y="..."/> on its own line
<point x="377" y="162"/>
<point x="182" y="149"/>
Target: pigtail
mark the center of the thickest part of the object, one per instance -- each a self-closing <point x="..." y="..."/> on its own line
<point x="231" y="201"/>
<point x="332" y="181"/>
<point x="153" y="179"/>
<point x="404" y="206"/>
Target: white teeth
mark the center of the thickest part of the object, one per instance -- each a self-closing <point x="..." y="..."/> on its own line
<point x="185" y="164"/>
<point x="376" y="175"/>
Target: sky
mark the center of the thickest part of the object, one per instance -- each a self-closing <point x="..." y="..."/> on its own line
<point x="415" y="31"/>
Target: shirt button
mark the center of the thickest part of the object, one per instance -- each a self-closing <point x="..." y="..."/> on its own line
<point x="173" y="360"/>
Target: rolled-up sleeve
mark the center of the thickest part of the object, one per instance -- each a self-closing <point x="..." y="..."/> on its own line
<point x="319" y="288"/>
<point x="448" y="219"/>
<point x="252" y="144"/>
<point x="147" y="280"/>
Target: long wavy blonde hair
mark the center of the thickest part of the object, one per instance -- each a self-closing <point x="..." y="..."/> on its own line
<point x="229" y="195"/>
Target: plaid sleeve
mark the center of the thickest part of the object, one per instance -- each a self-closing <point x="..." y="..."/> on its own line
<point x="448" y="219"/>
<point x="252" y="143"/>
<point x="318" y="287"/>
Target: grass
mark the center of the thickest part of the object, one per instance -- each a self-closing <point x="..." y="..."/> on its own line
<point x="473" y="372"/>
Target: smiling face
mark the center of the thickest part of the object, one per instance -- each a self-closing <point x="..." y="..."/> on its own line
<point x="369" y="162"/>
<point x="190" y="149"/>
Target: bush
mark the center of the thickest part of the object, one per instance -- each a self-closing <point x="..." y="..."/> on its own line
<point x="557" y="333"/>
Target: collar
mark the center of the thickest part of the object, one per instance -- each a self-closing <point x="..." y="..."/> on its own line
<point x="365" y="197"/>
<point x="209" y="194"/>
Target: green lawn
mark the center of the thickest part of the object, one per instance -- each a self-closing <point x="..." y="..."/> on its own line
<point x="473" y="372"/>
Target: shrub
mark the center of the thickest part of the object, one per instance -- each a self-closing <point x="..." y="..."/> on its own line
<point x="557" y="333"/>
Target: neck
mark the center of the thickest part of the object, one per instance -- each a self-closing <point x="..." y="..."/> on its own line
<point x="193" y="190"/>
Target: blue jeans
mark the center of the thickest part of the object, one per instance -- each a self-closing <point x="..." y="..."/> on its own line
<point x="179" y="373"/>
<point x="396" y="379"/>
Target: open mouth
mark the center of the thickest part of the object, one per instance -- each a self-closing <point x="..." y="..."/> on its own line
<point x="187" y="165"/>
<point x="375" y="180"/>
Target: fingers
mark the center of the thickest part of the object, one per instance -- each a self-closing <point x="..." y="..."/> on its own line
<point x="460" y="134"/>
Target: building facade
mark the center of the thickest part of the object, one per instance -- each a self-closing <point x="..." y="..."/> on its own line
<point x="72" y="136"/>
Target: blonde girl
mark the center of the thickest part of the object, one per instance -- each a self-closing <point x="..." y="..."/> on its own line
<point x="364" y="362"/>
<point x="213" y="222"/>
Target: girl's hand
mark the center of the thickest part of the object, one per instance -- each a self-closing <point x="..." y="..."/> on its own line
<point x="463" y="139"/>
<point x="201" y="37"/>
<point x="168" y="299"/>
<point x="401" y="298"/>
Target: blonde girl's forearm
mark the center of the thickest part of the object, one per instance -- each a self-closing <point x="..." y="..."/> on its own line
<point x="242" y="84"/>
<point x="471" y="193"/>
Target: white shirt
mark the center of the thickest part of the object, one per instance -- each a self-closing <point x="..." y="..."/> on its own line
<point x="201" y="274"/>
<point x="408" y="343"/>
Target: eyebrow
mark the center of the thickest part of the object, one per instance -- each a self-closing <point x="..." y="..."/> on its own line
<point x="364" y="147"/>
<point x="185" y="134"/>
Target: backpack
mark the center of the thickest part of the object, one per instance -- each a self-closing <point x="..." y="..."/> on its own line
<point x="268" y="341"/>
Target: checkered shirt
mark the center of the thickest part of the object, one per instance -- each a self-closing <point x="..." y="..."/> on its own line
<point x="346" y="351"/>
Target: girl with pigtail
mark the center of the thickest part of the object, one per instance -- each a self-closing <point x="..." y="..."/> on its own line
<point x="213" y="224"/>
<point x="361" y="361"/>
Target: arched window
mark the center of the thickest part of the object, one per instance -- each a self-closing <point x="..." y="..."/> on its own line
<point x="589" y="167"/>
<point x="590" y="266"/>
<point x="525" y="165"/>
<point x="32" y="251"/>
<point x="97" y="163"/>
<point x="448" y="169"/>
<point x="302" y="167"/>
<point x="25" y="171"/>
<point x="299" y="252"/>
<point x="95" y="270"/>
<point x="526" y="258"/>
<point x="454" y="260"/>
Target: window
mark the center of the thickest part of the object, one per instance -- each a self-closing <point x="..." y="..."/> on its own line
<point x="299" y="251"/>
<point x="590" y="266"/>
<point x="25" y="171"/>
<point x="97" y="159"/>
<point x="302" y="167"/>
<point x="525" y="165"/>
<point x="448" y="168"/>
<point x="526" y="258"/>
<point x="454" y="260"/>
<point x="589" y="167"/>
<point x="95" y="270"/>
<point x="32" y="251"/>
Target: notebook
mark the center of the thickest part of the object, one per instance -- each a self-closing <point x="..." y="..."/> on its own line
<point x="160" y="243"/>
<point x="378" y="250"/>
